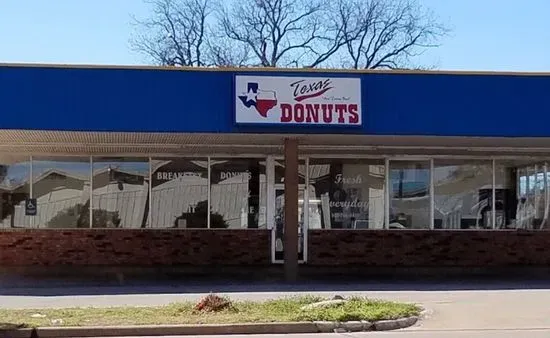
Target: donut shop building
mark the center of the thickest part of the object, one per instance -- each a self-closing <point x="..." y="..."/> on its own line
<point x="152" y="167"/>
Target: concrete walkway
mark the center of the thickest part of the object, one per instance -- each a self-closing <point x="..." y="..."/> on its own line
<point x="400" y="334"/>
<point x="474" y="306"/>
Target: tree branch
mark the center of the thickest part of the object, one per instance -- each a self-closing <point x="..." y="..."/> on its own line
<point x="387" y="33"/>
<point x="301" y="33"/>
<point x="175" y="33"/>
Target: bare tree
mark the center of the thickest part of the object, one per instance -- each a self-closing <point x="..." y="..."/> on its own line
<point x="283" y="32"/>
<point x="287" y="33"/>
<point x="223" y="52"/>
<point x="386" y="33"/>
<point x="176" y="34"/>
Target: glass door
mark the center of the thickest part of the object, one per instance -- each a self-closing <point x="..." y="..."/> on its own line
<point x="278" y="230"/>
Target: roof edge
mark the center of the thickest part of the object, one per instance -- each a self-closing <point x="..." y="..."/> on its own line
<point x="268" y="69"/>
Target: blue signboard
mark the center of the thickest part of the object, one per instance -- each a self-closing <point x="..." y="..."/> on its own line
<point x="205" y="101"/>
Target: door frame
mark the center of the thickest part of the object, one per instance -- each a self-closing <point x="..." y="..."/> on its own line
<point x="271" y="190"/>
<point x="304" y="229"/>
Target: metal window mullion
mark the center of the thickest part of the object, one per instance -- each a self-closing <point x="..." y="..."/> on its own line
<point x="270" y="178"/>
<point x="305" y="229"/>
<point x="494" y="202"/>
<point x="150" y="193"/>
<point x="270" y="212"/>
<point x="209" y="195"/>
<point x="31" y="189"/>
<point x="432" y="197"/>
<point x="518" y="183"/>
<point x="545" y="216"/>
<point x="30" y="177"/>
<point x="537" y="194"/>
<point x="91" y="208"/>
<point x="386" y="224"/>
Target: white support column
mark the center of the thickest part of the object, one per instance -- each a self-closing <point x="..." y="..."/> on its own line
<point x="546" y="195"/>
<point x="387" y="195"/>
<point x="150" y="192"/>
<point x="537" y="192"/>
<point x="494" y="202"/>
<point x="432" y="197"/>
<point x="91" y="208"/>
<point x="31" y="191"/>
<point x="270" y="198"/>
<point x="209" y="194"/>
<point x="306" y="211"/>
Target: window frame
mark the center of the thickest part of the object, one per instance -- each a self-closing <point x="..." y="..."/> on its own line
<point x="539" y="161"/>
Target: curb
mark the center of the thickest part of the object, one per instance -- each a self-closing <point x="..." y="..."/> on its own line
<point x="160" y="330"/>
<point x="362" y="326"/>
<point x="209" y="329"/>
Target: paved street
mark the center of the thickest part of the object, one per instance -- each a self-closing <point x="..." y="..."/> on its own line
<point x="458" y="310"/>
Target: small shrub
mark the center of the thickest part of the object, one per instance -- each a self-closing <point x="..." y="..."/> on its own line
<point x="213" y="303"/>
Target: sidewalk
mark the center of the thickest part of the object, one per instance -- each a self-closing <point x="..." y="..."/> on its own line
<point x="452" y="306"/>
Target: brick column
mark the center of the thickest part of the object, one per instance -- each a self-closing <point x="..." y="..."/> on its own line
<point x="291" y="210"/>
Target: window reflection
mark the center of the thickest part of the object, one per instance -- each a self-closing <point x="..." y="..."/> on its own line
<point x="15" y="188"/>
<point x="543" y="203"/>
<point x="350" y="194"/>
<point x="61" y="187"/>
<point x="280" y="172"/>
<point x="343" y="193"/>
<point x="409" y="194"/>
<point x="180" y="193"/>
<point x="525" y="200"/>
<point x="463" y="194"/>
<point x="120" y="193"/>
<point x="238" y="193"/>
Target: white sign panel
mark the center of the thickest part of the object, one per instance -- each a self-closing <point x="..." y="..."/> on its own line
<point x="298" y="100"/>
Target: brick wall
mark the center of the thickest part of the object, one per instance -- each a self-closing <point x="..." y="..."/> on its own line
<point x="419" y="248"/>
<point x="401" y="248"/>
<point x="134" y="247"/>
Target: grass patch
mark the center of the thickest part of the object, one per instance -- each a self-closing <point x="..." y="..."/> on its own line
<point x="279" y="310"/>
<point x="360" y="309"/>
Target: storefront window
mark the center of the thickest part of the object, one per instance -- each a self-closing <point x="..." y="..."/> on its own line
<point x="524" y="194"/>
<point x="180" y="193"/>
<point x="61" y="187"/>
<point x="237" y="193"/>
<point x="15" y="189"/>
<point x="346" y="194"/>
<point x="463" y="194"/>
<point x="543" y="198"/>
<point x="280" y="172"/>
<point x="409" y="195"/>
<point x="120" y="193"/>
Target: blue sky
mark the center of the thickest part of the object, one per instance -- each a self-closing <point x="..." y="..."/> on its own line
<point x="506" y="35"/>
